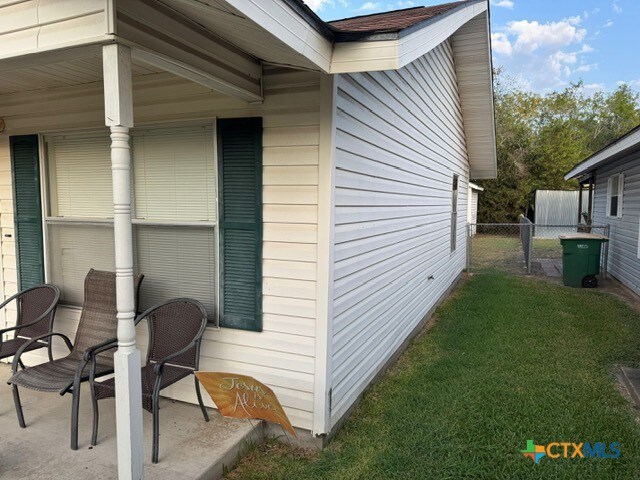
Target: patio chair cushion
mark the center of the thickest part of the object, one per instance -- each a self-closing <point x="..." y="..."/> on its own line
<point x="10" y="347"/>
<point x="56" y="376"/>
<point x="170" y="375"/>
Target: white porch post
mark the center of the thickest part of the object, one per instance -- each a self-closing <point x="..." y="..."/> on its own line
<point x="119" y="117"/>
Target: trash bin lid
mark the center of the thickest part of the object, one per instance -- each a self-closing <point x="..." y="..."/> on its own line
<point x="584" y="236"/>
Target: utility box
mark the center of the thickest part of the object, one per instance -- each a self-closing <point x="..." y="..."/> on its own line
<point x="581" y="259"/>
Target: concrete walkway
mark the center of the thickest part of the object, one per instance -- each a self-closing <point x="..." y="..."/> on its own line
<point x="189" y="447"/>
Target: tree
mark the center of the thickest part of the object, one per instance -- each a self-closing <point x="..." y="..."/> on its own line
<point x="540" y="137"/>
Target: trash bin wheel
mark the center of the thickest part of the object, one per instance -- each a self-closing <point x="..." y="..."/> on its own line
<point x="590" y="281"/>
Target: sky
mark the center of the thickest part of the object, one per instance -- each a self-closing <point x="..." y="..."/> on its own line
<point x="544" y="44"/>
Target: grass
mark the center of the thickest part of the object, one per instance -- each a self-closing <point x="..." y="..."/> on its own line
<point x="497" y="253"/>
<point x="508" y="359"/>
<point x="547" y="248"/>
<point x="503" y="253"/>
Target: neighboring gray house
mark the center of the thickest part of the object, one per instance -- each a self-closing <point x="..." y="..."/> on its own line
<point x="615" y="172"/>
<point x="305" y="180"/>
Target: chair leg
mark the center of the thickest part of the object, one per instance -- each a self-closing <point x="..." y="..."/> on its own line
<point x="75" y="405"/>
<point x="16" y="400"/>
<point x="199" y="394"/>
<point x="96" y="416"/>
<point x="156" y="428"/>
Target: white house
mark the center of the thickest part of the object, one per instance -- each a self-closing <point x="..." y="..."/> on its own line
<point x="302" y="179"/>
<point x="613" y="174"/>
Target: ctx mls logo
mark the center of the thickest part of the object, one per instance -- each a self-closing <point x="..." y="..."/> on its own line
<point x="571" y="450"/>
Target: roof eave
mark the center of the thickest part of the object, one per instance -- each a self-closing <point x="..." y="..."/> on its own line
<point x="620" y="148"/>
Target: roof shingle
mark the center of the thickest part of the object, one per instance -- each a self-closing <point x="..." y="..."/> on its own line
<point x="390" y="22"/>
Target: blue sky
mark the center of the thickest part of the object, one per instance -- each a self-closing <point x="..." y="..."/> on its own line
<point x="545" y="44"/>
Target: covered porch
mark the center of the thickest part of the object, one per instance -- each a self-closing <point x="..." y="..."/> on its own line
<point x="85" y="84"/>
<point x="190" y="447"/>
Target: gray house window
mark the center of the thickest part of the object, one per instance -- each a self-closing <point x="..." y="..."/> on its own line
<point x="615" y="189"/>
<point x="454" y="212"/>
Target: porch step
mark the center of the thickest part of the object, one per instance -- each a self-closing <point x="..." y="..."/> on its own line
<point x="190" y="448"/>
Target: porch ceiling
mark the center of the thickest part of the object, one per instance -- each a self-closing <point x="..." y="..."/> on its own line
<point x="75" y="71"/>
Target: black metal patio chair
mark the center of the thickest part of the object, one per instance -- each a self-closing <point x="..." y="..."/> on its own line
<point x="175" y="334"/>
<point x="97" y="328"/>
<point x="35" y="311"/>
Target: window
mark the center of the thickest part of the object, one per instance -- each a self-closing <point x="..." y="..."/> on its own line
<point x="80" y="210"/>
<point x="174" y="217"/>
<point x="454" y="212"/>
<point x="615" y="189"/>
<point x="173" y="209"/>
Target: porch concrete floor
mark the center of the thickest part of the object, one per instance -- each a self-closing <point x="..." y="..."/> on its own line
<point x="190" y="448"/>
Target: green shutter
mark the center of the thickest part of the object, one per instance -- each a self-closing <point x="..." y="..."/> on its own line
<point x="27" y="210"/>
<point x="240" y="198"/>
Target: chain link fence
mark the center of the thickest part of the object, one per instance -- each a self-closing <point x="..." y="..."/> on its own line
<point x="523" y="248"/>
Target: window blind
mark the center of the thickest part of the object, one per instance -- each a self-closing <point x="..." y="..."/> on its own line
<point x="173" y="180"/>
<point x="75" y="249"/>
<point x="80" y="176"/>
<point x="174" y="177"/>
<point x="176" y="262"/>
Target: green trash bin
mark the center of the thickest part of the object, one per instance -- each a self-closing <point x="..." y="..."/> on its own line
<point x="581" y="259"/>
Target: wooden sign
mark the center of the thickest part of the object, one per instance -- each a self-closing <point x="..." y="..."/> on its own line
<point x="240" y="396"/>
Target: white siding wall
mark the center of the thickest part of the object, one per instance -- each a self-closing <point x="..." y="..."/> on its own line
<point x="623" y="247"/>
<point x="38" y="25"/>
<point x="8" y="276"/>
<point x="283" y="354"/>
<point x="399" y="141"/>
<point x="473" y="205"/>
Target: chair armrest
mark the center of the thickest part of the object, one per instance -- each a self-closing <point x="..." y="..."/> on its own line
<point x="98" y="348"/>
<point x="21" y="350"/>
<point x="89" y="355"/>
<point x="157" y="369"/>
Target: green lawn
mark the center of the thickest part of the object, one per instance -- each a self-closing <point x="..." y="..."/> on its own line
<point x="497" y="253"/>
<point x="547" y="248"/>
<point x="503" y="253"/>
<point x="509" y="359"/>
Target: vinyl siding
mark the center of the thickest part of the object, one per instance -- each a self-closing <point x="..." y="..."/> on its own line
<point x="399" y="141"/>
<point x="623" y="246"/>
<point x="39" y="25"/>
<point x="473" y="205"/>
<point x="8" y="269"/>
<point x="283" y="354"/>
